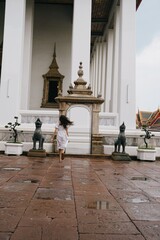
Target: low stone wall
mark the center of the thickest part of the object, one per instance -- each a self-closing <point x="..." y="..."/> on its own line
<point x="133" y="140"/>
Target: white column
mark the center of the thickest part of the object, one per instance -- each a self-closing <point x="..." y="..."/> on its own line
<point x="91" y="72"/>
<point x="94" y="73"/>
<point x="104" y="56"/>
<point x="127" y="109"/>
<point x="12" y="60"/>
<point x="109" y="71"/>
<point x="81" y="38"/>
<point x="96" y="70"/>
<point x="27" y="62"/>
<point x="99" y="90"/>
<point x="115" y="66"/>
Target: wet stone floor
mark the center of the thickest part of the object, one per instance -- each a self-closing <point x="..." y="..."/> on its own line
<point x="78" y="199"/>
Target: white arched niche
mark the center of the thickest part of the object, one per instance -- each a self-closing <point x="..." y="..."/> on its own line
<point x="80" y="132"/>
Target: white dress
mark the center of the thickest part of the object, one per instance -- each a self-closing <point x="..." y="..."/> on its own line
<point x="62" y="138"/>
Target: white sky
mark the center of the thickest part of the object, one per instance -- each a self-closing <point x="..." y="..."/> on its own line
<point x="148" y="56"/>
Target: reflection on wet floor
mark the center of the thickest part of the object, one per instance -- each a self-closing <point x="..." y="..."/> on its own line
<point x="139" y="178"/>
<point x="11" y="169"/>
<point x="31" y="181"/>
<point x="139" y="200"/>
<point x="103" y="205"/>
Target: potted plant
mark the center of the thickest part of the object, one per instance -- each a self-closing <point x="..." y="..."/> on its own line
<point x="13" y="146"/>
<point x="147" y="150"/>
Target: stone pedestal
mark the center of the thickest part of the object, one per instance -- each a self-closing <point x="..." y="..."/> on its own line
<point x="37" y="153"/>
<point x="97" y="144"/>
<point x="121" y="156"/>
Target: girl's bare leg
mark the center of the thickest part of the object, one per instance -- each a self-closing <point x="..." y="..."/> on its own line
<point x="60" y="155"/>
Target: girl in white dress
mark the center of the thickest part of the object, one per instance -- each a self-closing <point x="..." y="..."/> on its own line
<point x="61" y="130"/>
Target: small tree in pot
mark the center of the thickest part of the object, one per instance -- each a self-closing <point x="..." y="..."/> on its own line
<point x="148" y="135"/>
<point x="146" y="152"/>
<point x="13" y="128"/>
<point x="14" y="147"/>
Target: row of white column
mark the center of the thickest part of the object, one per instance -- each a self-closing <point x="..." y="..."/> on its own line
<point x="17" y="52"/>
<point x="113" y="65"/>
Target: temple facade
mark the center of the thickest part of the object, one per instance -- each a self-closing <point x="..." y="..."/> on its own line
<point x="99" y="33"/>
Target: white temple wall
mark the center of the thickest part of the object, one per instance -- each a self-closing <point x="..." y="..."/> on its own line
<point x="52" y="24"/>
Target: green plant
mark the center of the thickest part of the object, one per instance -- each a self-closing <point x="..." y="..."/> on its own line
<point x="13" y="129"/>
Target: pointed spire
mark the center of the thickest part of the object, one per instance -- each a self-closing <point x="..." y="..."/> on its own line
<point x="53" y="68"/>
<point x="54" y="62"/>
<point x="54" y="53"/>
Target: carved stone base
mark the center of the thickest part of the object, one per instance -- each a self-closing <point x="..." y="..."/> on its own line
<point x="97" y="144"/>
<point x="37" y="153"/>
<point x="121" y="156"/>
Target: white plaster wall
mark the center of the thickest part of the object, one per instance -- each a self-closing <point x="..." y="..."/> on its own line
<point x="52" y="24"/>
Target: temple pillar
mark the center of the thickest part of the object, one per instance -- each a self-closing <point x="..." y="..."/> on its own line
<point x="103" y="78"/>
<point x="12" y="59"/>
<point x="126" y="97"/>
<point x="115" y="66"/>
<point x="27" y="63"/>
<point x="81" y="36"/>
<point x="108" y="81"/>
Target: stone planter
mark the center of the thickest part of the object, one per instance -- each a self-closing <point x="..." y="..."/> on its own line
<point x="146" y="154"/>
<point x="13" y="148"/>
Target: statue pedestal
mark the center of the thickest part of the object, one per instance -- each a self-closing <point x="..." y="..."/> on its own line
<point x="97" y="144"/>
<point x="36" y="153"/>
<point x="120" y="156"/>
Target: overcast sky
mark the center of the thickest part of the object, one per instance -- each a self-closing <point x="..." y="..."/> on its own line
<point x="148" y="56"/>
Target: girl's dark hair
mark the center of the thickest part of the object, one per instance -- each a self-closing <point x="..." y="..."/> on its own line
<point x="64" y="121"/>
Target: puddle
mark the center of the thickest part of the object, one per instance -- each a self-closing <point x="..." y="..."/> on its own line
<point x="103" y="205"/>
<point x="139" y="178"/>
<point x="54" y="194"/>
<point x="139" y="200"/>
<point x="11" y="169"/>
<point x="66" y="178"/>
<point x="67" y="167"/>
<point x="31" y="181"/>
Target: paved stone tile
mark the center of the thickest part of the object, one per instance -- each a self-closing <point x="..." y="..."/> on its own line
<point x="109" y="227"/>
<point x="27" y="233"/>
<point x="110" y="237"/>
<point x="149" y="229"/>
<point x="9" y="218"/>
<point x="5" y="236"/>
<point x="79" y="199"/>
<point x="97" y="202"/>
<point x="131" y="197"/>
<point x="143" y="211"/>
<point x="60" y="230"/>
<point x="15" y="200"/>
<point x="100" y="217"/>
<point x="54" y="193"/>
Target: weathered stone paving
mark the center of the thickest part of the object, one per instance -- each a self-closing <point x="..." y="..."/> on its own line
<point x="79" y="199"/>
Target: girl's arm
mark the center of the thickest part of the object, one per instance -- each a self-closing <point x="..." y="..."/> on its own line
<point x="54" y="134"/>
